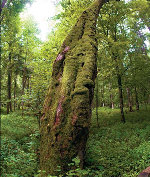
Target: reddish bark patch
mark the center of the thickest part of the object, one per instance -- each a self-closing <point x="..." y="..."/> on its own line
<point x="66" y="49"/>
<point x="59" y="111"/>
<point x="74" y="119"/>
<point x="61" y="56"/>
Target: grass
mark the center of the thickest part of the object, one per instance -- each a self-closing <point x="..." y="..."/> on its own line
<point x="14" y="126"/>
<point x="113" y="150"/>
<point x="117" y="149"/>
<point x="19" y="145"/>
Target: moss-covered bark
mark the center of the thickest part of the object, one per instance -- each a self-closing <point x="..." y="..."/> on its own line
<point x="67" y="108"/>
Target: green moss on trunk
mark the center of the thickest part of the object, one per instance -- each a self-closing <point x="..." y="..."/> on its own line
<point x="67" y="108"/>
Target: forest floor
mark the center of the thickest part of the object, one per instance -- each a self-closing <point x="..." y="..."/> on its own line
<point x="113" y="150"/>
<point x="117" y="149"/>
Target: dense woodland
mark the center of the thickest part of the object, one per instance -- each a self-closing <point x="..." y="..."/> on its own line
<point x="108" y="97"/>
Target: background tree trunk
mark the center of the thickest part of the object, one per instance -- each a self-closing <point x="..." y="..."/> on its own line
<point x="9" y="103"/>
<point x="119" y="79"/>
<point x="24" y="79"/>
<point x="15" y="86"/>
<point x="102" y="95"/>
<point x="137" y="100"/>
<point x="97" y="104"/>
<point x="111" y="101"/>
<point x="111" y="97"/>
<point x="67" y="108"/>
<point x="129" y="100"/>
<point x="121" y="97"/>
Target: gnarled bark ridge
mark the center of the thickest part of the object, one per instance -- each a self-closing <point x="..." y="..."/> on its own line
<point x="67" y="108"/>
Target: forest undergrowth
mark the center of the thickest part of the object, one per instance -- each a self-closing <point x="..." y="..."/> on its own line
<point x="114" y="149"/>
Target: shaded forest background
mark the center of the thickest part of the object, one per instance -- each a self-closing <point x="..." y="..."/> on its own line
<point x="123" y="82"/>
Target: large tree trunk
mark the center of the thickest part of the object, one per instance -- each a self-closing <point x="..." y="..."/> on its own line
<point x="67" y="108"/>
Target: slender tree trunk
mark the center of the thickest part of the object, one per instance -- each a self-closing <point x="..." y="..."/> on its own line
<point x="119" y="79"/>
<point x="28" y="91"/>
<point x="19" y="106"/>
<point x="96" y="100"/>
<point x="23" y="87"/>
<point x="0" y="67"/>
<point x="67" y="108"/>
<point x="15" y="85"/>
<point x="149" y="99"/>
<point x="111" y="97"/>
<point x="28" y="83"/>
<point x="102" y="94"/>
<point x="112" y="102"/>
<point x="145" y="99"/>
<point x="9" y="103"/>
<point x="129" y="100"/>
<point x="121" y="97"/>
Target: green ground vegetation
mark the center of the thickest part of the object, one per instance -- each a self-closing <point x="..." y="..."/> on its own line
<point x="20" y="142"/>
<point x="114" y="149"/>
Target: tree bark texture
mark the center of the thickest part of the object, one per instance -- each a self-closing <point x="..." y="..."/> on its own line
<point x="67" y="108"/>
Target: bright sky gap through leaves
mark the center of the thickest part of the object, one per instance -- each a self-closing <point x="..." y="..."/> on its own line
<point x="42" y="11"/>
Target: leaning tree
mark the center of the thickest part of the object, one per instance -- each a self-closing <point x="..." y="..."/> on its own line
<point x="67" y="109"/>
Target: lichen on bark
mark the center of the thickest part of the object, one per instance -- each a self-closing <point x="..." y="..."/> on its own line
<point x="67" y="108"/>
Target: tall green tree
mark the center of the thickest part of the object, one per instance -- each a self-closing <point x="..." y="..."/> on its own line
<point x="13" y="43"/>
<point x="119" y="37"/>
